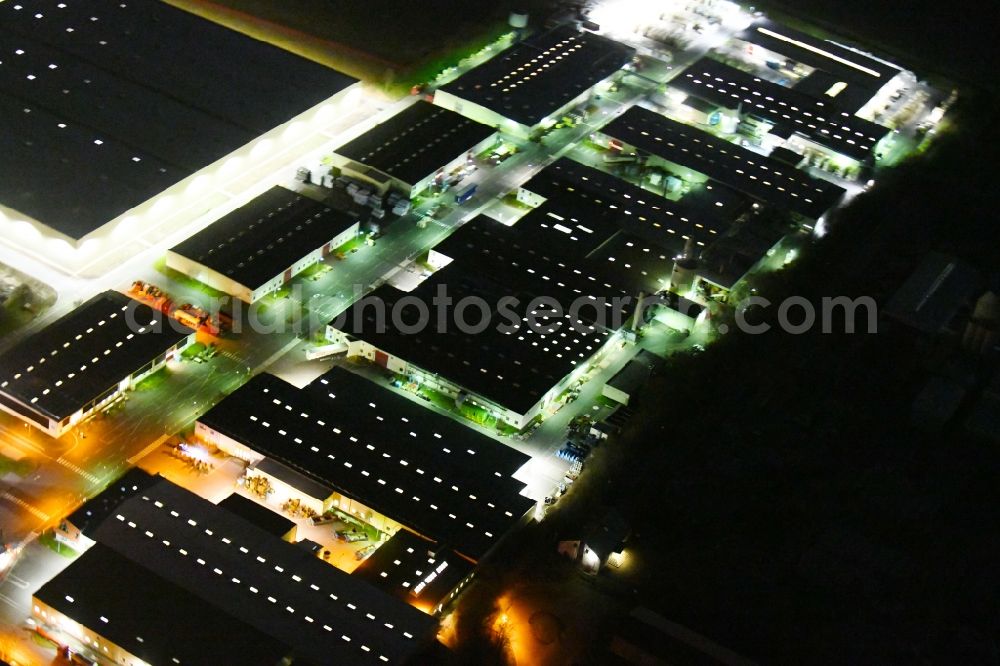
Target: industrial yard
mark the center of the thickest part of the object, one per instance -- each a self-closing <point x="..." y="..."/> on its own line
<point x="389" y="360"/>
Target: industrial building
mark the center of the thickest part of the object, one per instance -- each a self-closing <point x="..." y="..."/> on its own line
<point x="643" y="237"/>
<point x="513" y="377"/>
<point x="422" y="573"/>
<point x="422" y="145"/>
<point x="568" y="190"/>
<point x="592" y="243"/>
<point x="535" y="82"/>
<point x="602" y="544"/>
<point x="694" y="155"/>
<point x="259" y="247"/>
<point x="802" y="121"/>
<point x="935" y="295"/>
<point x="520" y="358"/>
<point x="86" y="360"/>
<point x="216" y="589"/>
<point x="842" y="77"/>
<point x="271" y="522"/>
<point x="118" y="122"/>
<point x="628" y="381"/>
<point x="382" y="459"/>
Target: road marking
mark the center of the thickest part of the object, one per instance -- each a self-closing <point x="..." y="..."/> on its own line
<point x="17" y="581"/>
<point x="10" y="602"/>
<point x="35" y="511"/>
<point x="17" y="441"/>
<point x="146" y="451"/>
<point x="76" y="468"/>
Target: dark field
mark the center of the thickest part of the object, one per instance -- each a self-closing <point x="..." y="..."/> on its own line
<point x="375" y="36"/>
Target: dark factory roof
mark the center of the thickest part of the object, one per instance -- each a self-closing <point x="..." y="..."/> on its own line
<point x="572" y="189"/>
<point x="257" y="514"/>
<point x="240" y="574"/>
<point x="833" y="63"/>
<point x="539" y="76"/>
<point x="170" y="625"/>
<point x="423" y="470"/>
<point x="88" y="352"/>
<point x="105" y="105"/>
<point x="258" y="241"/>
<point x="525" y="347"/>
<point x="812" y="117"/>
<point x="420" y="572"/>
<point x="416" y="142"/>
<point x="755" y="175"/>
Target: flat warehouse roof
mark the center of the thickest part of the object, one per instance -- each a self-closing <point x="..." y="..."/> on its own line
<point x="295" y="479"/>
<point x="539" y="260"/>
<point x="646" y="265"/>
<point x="733" y="255"/>
<point x="166" y="624"/>
<point x="818" y="83"/>
<point x="257" y="514"/>
<point x="701" y="214"/>
<point x="86" y="353"/>
<point x="423" y="470"/>
<point x="416" y="142"/>
<point x="810" y="116"/>
<point x="108" y="104"/>
<point x="636" y="372"/>
<point x="864" y="74"/>
<point x="418" y="571"/>
<point x="510" y="363"/>
<point x="258" y="241"/>
<point x="240" y="571"/>
<point x="567" y="258"/>
<point x="756" y="175"/>
<point x="541" y="75"/>
<point x="934" y="293"/>
<point x="89" y="516"/>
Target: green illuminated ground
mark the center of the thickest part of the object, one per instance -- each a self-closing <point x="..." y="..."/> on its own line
<point x="189" y="282"/>
<point x="48" y="540"/>
<point x="22" y="467"/>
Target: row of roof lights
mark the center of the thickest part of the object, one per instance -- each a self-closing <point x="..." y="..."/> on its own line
<point x="550" y="56"/>
<point x="792" y="179"/>
<point x="372" y="448"/>
<point x="260" y="559"/>
<point x="867" y="140"/>
<point x="78" y="338"/>
<point x="61" y="125"/>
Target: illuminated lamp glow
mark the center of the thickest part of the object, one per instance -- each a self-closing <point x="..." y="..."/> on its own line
<point x="89" y="247"/>
<point x="230" y="166"/>
<point x="125" y="227"/>
<point x="294" y="130"/>
<point x="826" y="54"/>
<point x="262" y="148"/>
<point x="836" y="89"/>
<point x="199" y="184"/>
<point x="325" y="113"/>
<point x="161" y="206"/>
<point x="351" y="98"/>
<point x="59" y="248"/>
<point x="25" y="230"/>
